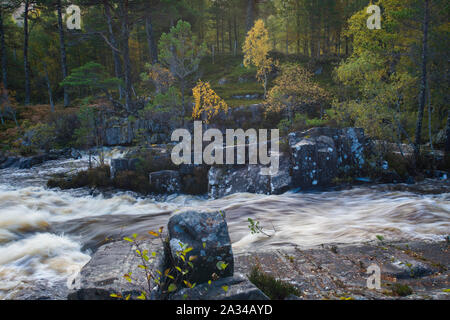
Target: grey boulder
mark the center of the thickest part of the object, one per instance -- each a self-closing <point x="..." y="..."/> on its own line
<point x="166" y="181"/>
<point x="207" y="234"/>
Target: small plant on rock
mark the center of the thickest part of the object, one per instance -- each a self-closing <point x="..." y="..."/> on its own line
<point x="256" y="228"/>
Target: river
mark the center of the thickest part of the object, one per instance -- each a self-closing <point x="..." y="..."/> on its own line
<point x="50" y="234"/>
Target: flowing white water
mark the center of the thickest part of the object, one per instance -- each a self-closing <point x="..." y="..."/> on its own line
<point x="48" y="234"/>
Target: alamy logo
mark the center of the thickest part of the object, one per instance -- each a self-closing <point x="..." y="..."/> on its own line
<point x="72" y="16"/>
<point x="374" y="21"/>
<point x="234" y="150"/>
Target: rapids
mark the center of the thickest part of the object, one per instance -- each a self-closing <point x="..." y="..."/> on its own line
<point x="50" y="234"/>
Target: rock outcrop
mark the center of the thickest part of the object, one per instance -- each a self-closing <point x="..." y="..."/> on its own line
<point x="316" y="157"/>
<point x="207" y="234"/>
<point x="104" y="274"/>
<point x="339" y="272"/>
<point x="166" y="181"/>
<point x="28" y="162"/>
<point x="321" y="154"/>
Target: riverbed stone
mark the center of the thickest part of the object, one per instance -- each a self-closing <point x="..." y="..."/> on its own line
<point x="238" y="288"/>
<point x="207" y="234"/>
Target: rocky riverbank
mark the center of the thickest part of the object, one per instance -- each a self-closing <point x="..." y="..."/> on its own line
<point x="408" y="270"/>
<point x="316" y="159"/>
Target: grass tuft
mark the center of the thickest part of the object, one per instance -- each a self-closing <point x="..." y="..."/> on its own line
<point x="275" y="289"/>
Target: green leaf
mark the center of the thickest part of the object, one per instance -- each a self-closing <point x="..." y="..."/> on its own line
<point x="128" y="239"/>
<point x="134" y="235"/>
<point x="225" y="288"/>
<point x="142" y="296"/>
<point x="172" y="287"/>
<point x="221" y="265"/>
<point x="188" y="250"/>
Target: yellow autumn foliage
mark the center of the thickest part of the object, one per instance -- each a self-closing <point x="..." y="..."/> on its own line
<point x="207" y="101"/>
<point x="256" y="52"/>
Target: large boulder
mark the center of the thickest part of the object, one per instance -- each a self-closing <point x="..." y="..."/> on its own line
<point x="104" y="274"/>
<point x="321" y="154"/>
<point x="166" y="181"/>
<point x="207" y="234"/>
<point x="226" y="180"/>
<point x="237" y="287"/>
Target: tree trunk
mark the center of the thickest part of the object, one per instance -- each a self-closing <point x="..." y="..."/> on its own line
<point x="423" y="80"/>
<point x="3" y="53"/>
<point x="126" y="56"/>
<point x="287" y="38"/>
<point x="235" y="35"/>
<point x="250" y="19"/>
<point x="112" y="39"/>
<point x="49" y="88"/>
<point x="183" y="108"/>
<point x="62" y="52"/>
<point x="447" y="133"/>
<point x="217" y="34"/>
<point x="25" y="54"/>
<point x="153" y="49"/>
<point x="223" y="34"/>
<point x="230" y="36"/>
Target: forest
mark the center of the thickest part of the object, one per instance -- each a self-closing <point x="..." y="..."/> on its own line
<point x="308" y="62"/>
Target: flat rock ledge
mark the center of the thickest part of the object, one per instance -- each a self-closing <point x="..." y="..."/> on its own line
<point x="329" y="272"/>
<point x="104" y="274"/>
<point x="339" y="272"/>
<point x="208" y="261"/>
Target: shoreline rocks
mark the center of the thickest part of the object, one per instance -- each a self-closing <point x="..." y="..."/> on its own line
<point x="31" y="161"/>
<point x="207" y="234"/>
<point x="203" y="239"/>
<point x="332" y="271"/>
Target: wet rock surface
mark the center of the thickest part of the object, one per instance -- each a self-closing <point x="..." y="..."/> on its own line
<point x="321" y="154"/>
<point x="31" y="161"/>
<point x="167" y="181"/>
<point x="207" y="234"/>
<point x="335" y="272"/>
<point x="227" y="180"/>
<point x="339" y="271"/>
<point x="238" y="287"/>
<point x="316" y="158"/>
<point x="104" y="274"/>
